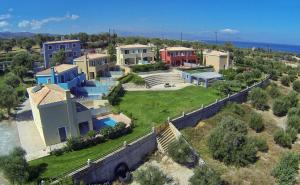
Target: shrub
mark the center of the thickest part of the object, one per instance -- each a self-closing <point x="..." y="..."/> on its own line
<point x="106" y="132"/>
<point x="91" y="134"/>
<point x="283" y="139"/>
<point x="57" y="152"/>
<point x="274" y="91"/>
<point x="291" y="99"/>
<point x="258" y="98"/>
<point x="256" y="122"/>
<point x="292" y="77"/>
<point x="280" y="107"/>
<point x="149" y="67"/>
<point x="74" y="143"/>
<point x="294" y="122"/>
<point x="180" y="151"/>
<point x="223" y="140"/>
<point x="115" y="95"/>
<point x="294" y="111"/>
<point x="236" y="108"/>
<point x="287" y="168"/>
<point x="285" y="80"/>
<point x="292" y="133"/>
<point x="260" y="144"/>
<point x="205" y="176"/>
<point x="296" y="86"/>
<point x="151" y="175"/>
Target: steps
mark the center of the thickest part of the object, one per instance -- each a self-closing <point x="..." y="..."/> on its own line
<point x="165" y="138"/>
<point x="162" y="79"/>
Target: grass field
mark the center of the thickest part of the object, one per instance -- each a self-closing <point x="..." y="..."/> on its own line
<point x="148" y="108"/>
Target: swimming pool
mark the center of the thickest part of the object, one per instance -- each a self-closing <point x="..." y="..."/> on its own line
<point x="98" y="124"/>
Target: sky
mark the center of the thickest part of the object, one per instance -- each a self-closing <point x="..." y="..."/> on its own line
<point x="269" y="21"/>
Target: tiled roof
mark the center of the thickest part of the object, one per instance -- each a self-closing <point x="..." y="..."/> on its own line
<point x="61" y="41"/>
<point x="58" y="69"/>
<point x="92" y="56"/>
<point x="132" y="46"/>
<point x="49" y="93"/>
<point x="178" y="49"/>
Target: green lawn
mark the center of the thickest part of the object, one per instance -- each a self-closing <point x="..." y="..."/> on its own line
<point x="154" y="107"/>
<point x="147" y="108"/>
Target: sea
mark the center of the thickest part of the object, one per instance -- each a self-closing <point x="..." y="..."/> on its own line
<point x="266" y="46"/>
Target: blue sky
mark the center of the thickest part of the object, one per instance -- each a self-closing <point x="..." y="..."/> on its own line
<point x="247" y="20"/>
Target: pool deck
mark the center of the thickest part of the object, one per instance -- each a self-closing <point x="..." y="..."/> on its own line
<point x="117" y="117"/>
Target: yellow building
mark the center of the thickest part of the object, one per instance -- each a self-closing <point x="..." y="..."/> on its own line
<point x="134" y="54"/>
<point x="56" y="115"/>
<point x="94" y="65"/>
<point x="218" y="59"/>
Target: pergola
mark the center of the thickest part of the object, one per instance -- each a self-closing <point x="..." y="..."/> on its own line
<point x="206" y="77"/>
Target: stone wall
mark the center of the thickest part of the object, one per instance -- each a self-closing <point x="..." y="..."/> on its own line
<point x="131" y="155"/>
<point x="191" y="119"/>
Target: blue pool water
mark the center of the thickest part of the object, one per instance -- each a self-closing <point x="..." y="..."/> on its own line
<point x="106" y="122"/>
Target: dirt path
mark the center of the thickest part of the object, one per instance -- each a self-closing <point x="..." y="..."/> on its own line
<point x="180" y="174"/>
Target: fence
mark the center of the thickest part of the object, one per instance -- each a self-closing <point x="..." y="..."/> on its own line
<point x="192" y="118"/>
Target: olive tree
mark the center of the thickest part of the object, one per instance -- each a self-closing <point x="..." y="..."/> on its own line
<point x="150" y="175"/>
<point x="258" y="98"/>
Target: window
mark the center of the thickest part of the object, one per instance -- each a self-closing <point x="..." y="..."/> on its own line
<point x="74" y="54"/>
<point x="69" y="54"/>
<point x="50" y="56"/>
<point x="74" y="45"/>
<point x="144" y="50"/>
<point x="62" y="47"/>
<point x="126" y="51"/>
<point x="62" y="79"/>
<point x="49" y="47"/>
<point x="49" y="81"/>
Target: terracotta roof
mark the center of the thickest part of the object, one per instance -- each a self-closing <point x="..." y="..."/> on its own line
<point x="214" y="53"/>
<point x="58" y="69"/>
<point x="92" y="56"/>
<point x="132" y="46"/>
<point x="178" y="49"/>
<point x="61" y="41"/>
<point x="49" y="93"/>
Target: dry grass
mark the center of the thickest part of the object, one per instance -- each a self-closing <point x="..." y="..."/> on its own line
<point x="255" y="174"/>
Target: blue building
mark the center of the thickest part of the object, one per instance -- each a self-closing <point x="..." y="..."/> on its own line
<point x="72" y="49"/>
<point x="202" y="77"/>
<point x="64" y="75"/>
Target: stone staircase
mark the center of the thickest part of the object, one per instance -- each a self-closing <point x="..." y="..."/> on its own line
<point x="165" y="138"/>
<point x="158" y="79"/>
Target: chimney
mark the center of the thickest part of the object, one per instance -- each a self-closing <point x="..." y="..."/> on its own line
<point x="52" y="73"/>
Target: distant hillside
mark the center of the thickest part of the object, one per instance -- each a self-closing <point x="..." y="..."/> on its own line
<point x="9" y="35"/>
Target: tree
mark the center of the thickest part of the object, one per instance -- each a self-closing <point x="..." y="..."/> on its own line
<point x="111" y="49"/>
<point x="287" y="168"/>
<point x="256" y="122"/>
<point x="283" y="139"/>
<point x="228" y="46"/>
<point x="258" y="98"/>
<point x="285" y="80"/>
<point x="200" y="57"/>
<point x="205" y="176"/>
<point x="229" y="144"/>
<point x="58" y="58"/>
<point x="180" y="151"/>
<point x="27" y="44"/>
<point x="296" y="86"/>
<point x="150" y="175"/>
<point x="15" y="166"/>
<point x="6" y="46"/>
<point x="8" y="98"/>
<point x="20" y="71"/>
<point x="280" y="107"/>
<point x="274" y="91"/>
<point x="294" y="122"/>
<point x="12" y="80"/>
<point x="22" y="59"/>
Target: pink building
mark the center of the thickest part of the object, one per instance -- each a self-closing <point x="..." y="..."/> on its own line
<point x="177" y="56"/>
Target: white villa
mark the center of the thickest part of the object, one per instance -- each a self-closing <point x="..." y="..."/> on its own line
<point x="134" y="54"/>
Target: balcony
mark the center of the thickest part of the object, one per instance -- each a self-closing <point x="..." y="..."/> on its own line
<point x="75" y="82"/>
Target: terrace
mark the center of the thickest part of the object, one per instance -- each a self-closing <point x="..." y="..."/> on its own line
<point x="148" y="108"/>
